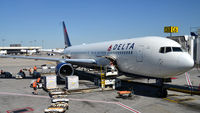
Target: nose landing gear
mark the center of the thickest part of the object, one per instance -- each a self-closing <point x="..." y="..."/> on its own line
<point x="162" y="92"/>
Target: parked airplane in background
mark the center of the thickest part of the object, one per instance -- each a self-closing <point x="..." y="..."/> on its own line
<point x="156" y="57"/>
<point x="52" y="52"/>
<point x="28" y="52"/>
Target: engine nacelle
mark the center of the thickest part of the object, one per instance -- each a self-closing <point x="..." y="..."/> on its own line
<point x="64" y="69"/>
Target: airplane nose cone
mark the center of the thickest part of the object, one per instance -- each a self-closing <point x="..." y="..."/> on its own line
<point x="185" y="62"/>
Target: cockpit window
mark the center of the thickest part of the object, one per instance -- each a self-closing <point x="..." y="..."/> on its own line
<point x="177" y="49"/>
<point x="168" y="49"/>
<point x="162" y="50"/>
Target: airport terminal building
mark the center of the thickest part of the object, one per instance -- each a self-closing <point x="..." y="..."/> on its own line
<point x="19" y="50"/>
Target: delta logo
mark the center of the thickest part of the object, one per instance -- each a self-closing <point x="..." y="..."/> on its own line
<point x="110" y="48"/>
<point x="127" y="46"/>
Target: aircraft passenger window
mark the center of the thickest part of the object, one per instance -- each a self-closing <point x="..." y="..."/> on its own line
<point x="168" y="49"/>
<point x="176" y="49"/>
<point x="162" y="50"/>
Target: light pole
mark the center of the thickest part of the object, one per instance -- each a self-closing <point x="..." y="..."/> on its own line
<point x="3" y="40"/>
<point x="21" y="42"/>
<point x="43" y="44"/>
<point x="35" y="42"/>
<point x="30" y="43"/>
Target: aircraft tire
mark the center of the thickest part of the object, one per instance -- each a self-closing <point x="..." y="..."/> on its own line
<point x="162" y="93"/>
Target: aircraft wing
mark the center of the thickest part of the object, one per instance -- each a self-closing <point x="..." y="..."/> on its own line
<point x="72" y="61"/>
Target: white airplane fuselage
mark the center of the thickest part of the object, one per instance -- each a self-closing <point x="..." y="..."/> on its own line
<point x="140" y="56"/>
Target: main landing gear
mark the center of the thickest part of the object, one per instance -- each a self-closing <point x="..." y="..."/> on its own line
<point x="162" y="92"/>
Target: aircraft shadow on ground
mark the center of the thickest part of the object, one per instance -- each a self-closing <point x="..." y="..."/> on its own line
<point x="140" y="89"/>
<point x="137" y="89"/>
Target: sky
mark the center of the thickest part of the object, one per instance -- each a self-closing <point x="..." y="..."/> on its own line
<point x="39" y="22"/>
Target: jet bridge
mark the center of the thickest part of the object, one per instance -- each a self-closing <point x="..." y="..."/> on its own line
<point x="196" y="36"/>
<point x="191" y="44"/>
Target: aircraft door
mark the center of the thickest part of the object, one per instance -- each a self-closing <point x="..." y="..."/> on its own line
<point x="139" y="57"/>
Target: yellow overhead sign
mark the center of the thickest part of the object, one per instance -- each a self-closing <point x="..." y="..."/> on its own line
<point x="171" y="29"/>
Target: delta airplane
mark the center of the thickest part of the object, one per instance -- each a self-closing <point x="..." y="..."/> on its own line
<point x="154" y="57"/>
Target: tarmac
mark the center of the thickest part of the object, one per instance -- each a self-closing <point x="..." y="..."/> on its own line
<point x="16" y="95"/>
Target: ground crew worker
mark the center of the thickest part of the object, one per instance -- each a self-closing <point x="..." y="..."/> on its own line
<point x="21" y="72"/>
<point x="2" y="73"/>
<point x="39" y="80"/>
<point x="111" y="63"/>
<point x="30" y="71"/>
<point x="35" y="68"/>
<point x="35" y="87"/>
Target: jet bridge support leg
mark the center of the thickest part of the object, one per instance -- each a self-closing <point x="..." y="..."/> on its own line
<point x="162" y="92"/>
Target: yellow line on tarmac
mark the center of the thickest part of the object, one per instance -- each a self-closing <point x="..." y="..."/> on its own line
<point x="185" y="91"/>
<point x="170" y="100"/>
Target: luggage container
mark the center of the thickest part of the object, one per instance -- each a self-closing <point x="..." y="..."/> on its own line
<point x="52" y="69"/>
<point x="72" y="82"/>
<point x="45" y="69"/>
<point x="50" y="82"/>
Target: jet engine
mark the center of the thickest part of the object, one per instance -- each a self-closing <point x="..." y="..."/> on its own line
<point x="64" y="69"/>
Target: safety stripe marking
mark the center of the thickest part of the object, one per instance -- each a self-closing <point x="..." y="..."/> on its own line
<point x="117" y="103"/>
<point x="127" y="107"/>
<point x="97" y="101"/>
<point x="188" y="79"/>
<point x="18" y="94"/>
